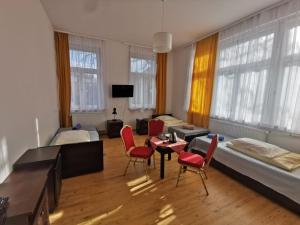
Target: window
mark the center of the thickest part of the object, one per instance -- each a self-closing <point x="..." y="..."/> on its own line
<point x="142" y="76"/>
<point x="258" y="73"/>
<point x="86" y="77"/>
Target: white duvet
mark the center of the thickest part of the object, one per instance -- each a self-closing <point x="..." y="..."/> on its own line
<point x="72" y="136"/>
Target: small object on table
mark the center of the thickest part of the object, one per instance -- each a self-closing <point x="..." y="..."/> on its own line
<point x="165" y="147"/>
<point x="113" y="128"/>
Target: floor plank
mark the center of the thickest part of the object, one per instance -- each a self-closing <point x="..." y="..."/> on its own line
<point x="111" y="198"/>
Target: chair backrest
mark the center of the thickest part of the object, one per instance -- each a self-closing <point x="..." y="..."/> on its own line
<point x="127" y="137"/>
<point x="211" y="149"/>
<point x="155" y="127"/>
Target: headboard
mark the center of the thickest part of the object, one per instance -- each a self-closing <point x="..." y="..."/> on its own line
<point x="165" y="114"/>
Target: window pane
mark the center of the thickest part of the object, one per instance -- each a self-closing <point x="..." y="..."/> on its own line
<point x="293" y="46"/>
<point x="141" y="65"/>
<point x="251" y="51"/>
<point x="142" y="76"/>
<point x="83" y="59"/>
<point x="289" y="99"/>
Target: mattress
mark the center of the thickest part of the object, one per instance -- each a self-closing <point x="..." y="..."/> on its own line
<point x="170" y="121"/>
<point x="72" y="137"/>
<point x="281" y="181"/>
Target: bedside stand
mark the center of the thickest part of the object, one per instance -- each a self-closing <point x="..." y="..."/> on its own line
<point x="113" y="128"/>
<point x="142" y="126"/>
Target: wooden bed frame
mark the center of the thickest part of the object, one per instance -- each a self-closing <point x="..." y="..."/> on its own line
<point x="81" y="158"/>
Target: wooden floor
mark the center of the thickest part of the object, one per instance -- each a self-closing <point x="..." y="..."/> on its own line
<point x="110" y="198"/>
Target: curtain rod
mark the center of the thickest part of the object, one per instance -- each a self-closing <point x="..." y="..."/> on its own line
<point x="277" y="4"/>
<point x="102" y="39"/>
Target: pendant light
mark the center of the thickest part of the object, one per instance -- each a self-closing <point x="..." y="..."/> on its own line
<point x="162" y="41"/>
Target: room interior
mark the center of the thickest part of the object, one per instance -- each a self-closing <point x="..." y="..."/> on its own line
<point x="149" y="112"/>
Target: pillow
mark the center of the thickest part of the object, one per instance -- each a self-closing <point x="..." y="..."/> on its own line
<point x="289" y="161"/>
<point x="165" y="118"/>
<point x="188" y="127"/>
<point x="251" y="146"/>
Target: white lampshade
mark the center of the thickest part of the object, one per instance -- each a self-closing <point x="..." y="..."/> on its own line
<point x="162" y="42"/>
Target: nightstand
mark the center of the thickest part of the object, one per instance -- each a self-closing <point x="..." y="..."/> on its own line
<point x="142" y="126"/>
<point x="113" y="128"/>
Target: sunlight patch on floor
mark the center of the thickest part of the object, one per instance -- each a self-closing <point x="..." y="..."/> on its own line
<point x="166" y="215"/>
<point x="140" y="186"/>
<point x="96" y="220"/>
<point x="137" y="181"/>
<point x="56" y="216"/>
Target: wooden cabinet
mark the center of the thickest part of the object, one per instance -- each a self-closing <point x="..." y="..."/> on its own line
<point x="43" y="157"/>
<point x="113" y="128"/>
<point x="28" y="197"/>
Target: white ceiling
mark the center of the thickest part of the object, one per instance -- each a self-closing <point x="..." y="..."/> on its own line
<point x="135" y="21"/>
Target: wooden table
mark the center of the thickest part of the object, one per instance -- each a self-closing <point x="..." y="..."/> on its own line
<point x="165" y="147"/>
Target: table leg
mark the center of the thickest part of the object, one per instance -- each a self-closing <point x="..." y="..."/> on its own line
<point x="169" y="156"/>
<point x="162" y="165"/>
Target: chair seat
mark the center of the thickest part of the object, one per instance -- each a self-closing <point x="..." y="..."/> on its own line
<point x="141" y="152"/>
<point x="191" y="159"/>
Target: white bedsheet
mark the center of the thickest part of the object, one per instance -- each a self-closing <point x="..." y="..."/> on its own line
<point x="283" y="182"/>
<point x="71" y="136"/>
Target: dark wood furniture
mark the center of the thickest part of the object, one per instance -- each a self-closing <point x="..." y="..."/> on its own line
<point x="166" y="147"/>
<point x="39" y="158"/>
<point x="81" y="158"/>
<point x="28" y="199"/>
<point x="142" y="126"/>
<point x="113" y="128"/>
<point x="163" y="151"/>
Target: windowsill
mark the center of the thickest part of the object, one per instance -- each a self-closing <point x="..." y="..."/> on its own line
<point x="91" y="112"/>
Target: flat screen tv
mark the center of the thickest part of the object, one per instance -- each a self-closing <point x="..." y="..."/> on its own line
<point x="122" y="91"/>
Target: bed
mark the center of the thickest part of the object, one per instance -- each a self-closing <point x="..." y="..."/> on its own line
<point x="280" y="185"/>
<point x="173" y="124"/>
<point x="81" y="150"/>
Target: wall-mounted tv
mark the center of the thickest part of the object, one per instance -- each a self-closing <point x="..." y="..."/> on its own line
<point x="122" y="91"/>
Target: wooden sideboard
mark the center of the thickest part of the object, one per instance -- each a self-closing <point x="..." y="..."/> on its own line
<point x="28" y="199"/>
<point x="33" y="187"/>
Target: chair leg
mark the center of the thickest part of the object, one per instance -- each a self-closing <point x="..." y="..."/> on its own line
<point x="178" y="177"/>
<point x="202" y="179"/>
<point x="145" y="165"/>
<point x="204" y="172"/>
<point x="134" y="162"/>
<point x="127" y="167"/>
<point x="154" y="160"/>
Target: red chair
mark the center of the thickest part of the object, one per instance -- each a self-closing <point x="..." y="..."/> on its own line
<point x="135" y="152"/>
<point x="195" y="163"/>
<point x="155" y="128"/>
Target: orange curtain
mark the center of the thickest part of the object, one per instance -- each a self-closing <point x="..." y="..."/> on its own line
<point x="202" y="81"/>
<point x="161" y="82"/>
<point x="64" y="78"/>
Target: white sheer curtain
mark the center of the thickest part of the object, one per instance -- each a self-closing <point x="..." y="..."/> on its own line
<point x="189" y="74"/>
<point x="258" y="70"/>
<point x="86" y="75"/>
<point x="142" y="66"/>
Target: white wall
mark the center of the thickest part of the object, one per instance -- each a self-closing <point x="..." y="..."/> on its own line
<point x="116" y="69"/>
<point x="180" y="77"/>
<point x="28" y="99"/>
